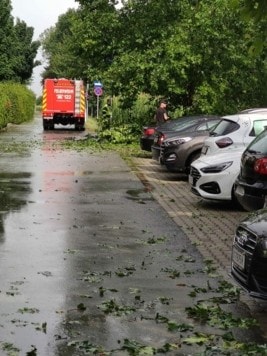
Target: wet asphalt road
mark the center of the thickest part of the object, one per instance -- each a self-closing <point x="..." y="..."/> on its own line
<point x="89" y="262"/>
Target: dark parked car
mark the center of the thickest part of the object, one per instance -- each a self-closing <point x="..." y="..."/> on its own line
<point x="249" y="254"/>
<point x="199" y="123"/>
<point x="147" y="138"/>
<point x="148" y="135"/>
<point x="251" y="184"/>
<point x="177" y="153"/>
<point x="184" y="123"/>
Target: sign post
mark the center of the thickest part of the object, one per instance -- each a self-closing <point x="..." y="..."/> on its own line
<point x="98" y="91"/>
<point x="87" y="102"/>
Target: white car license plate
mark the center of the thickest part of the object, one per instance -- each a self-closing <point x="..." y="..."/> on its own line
<point x="238" y="259"/>
<point x="240" y="190"/>
<point x="204" y="150"/>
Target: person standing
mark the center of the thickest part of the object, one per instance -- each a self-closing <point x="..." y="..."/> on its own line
<point x="161" y="115"/>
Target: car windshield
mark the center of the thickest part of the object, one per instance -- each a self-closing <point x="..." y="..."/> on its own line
<point x="259" y="144"/>
<point x="224" y="127"/>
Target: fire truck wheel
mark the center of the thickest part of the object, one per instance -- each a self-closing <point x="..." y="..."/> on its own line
<point x="45" y="125"/>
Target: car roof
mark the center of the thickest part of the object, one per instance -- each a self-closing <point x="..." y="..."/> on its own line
<point x="197" y="117"/>
<point x="240" y="116"/>
<point x="194" y="120"/>
<point x="253" y="110"/>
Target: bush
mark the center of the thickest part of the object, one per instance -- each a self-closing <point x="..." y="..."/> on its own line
<point x="143" y="110"/>
<point x="125" y="124"/>
<point x="17" y="104"/>
<point x="120" y="135"/>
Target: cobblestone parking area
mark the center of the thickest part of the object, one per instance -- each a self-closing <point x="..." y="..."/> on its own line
<point x="208" y="225"/>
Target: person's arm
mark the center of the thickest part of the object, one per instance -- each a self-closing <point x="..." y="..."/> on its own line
<point x="166" y="117"/>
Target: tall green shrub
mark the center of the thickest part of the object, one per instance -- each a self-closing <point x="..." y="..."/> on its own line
<point x="126" y="124"/>
<point x="17" y="103"/>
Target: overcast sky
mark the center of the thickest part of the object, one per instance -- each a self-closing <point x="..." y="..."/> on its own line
<point x="40" y="14"/>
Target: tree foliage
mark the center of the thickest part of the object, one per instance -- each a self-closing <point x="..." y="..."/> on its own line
<point x="254" y="10"/>
<point x="196" y="53"/>
<point x="59" y="48"/>
<point x="25" y="51"/>
<point x="17" y="49"/>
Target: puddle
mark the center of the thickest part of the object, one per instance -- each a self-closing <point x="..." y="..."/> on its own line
<point x="14" y="190"/>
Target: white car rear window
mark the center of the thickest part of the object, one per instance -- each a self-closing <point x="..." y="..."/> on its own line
<point x="258" y="127"/>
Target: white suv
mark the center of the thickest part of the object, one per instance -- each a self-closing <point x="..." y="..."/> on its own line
<point x="234" y="131"/>
<point x="212" y="177"/>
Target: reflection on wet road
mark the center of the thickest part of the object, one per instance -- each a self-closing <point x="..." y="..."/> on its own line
<point x="38" y="186"/>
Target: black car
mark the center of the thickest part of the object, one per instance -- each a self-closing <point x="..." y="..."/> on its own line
<point x="173" y="125"/>
<point x="251" y="184"/>
<point x="148" y="134"/>
<point x="177" y="153"/>
<point x="184" y="123"/>
<point x="189" y="124"/>
<point x="147" y="138"/>
<point x="249" y="254"/>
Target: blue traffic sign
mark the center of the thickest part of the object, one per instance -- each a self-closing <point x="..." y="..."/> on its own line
<point x="98" y="84"/>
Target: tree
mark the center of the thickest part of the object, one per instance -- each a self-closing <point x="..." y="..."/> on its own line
<point x="196" y="53"/>
<point x="76" y="47"/>
<point x="59" y="48"/>
<point x="6" y="39"/>
<point x="98" y="30"/>
<point x="197" y="59"/>
<point x="209" y="57"/>
<point x="25" y="52"/>
<point x="17" y="50"/>
<point x="254" y="10"/>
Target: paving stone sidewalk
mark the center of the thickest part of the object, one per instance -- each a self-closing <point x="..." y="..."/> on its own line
<point x="208" y="225"/>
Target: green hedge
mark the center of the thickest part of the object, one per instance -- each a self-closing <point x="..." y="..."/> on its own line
<point x="17" y="104"/>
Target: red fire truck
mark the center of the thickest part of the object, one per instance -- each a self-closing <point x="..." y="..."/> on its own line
<point x="63" y="103"/>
